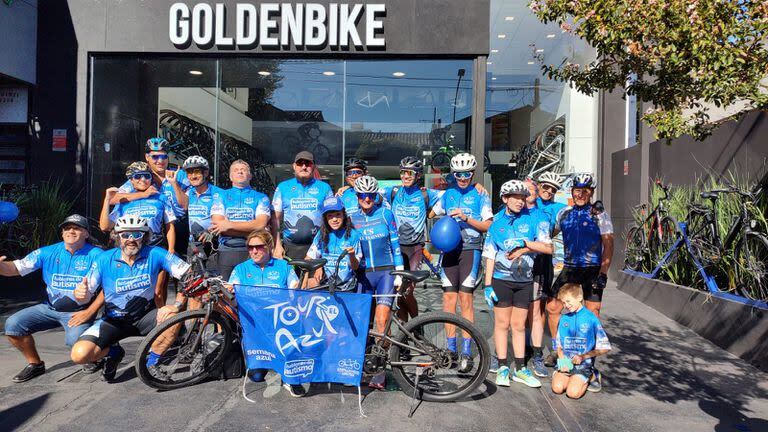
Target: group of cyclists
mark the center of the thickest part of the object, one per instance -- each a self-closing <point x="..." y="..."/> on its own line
<point x="379" y="229"/>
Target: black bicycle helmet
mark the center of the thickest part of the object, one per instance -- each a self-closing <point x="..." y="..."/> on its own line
<point x="355" y="163"/>
<point x="412" y="163"/>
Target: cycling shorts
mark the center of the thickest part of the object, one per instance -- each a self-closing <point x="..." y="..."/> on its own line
<point x="584" y="276"/>
<point x="378" y="282"/>
<point x="412" y="255"/>
<point x="108" y="331"/>
<point x="459" y="270"/>
<point x="543" y="275"/>
<point x="512" y="294"/>
<point x="580" y="370"/>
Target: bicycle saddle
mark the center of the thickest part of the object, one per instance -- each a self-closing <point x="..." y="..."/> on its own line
<point x="710" y="195"/>
<point x="416" y="276"/>
<point x="308" y="265"/>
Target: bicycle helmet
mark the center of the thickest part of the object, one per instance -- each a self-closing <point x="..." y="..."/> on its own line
<point x="463" y="162"/>
<point x="355" y="163"/>
<point x="136" y="167"/>
<point x="514" y="187"/>
<point x="131" y="223"/>
<point x="195" y="162"/>
<point x="156" y="144"/>
<point x="366" y="184"/>
<point x="551" y="178"/>
<point x="584" y="180"/>
<point x="412" y="163"/>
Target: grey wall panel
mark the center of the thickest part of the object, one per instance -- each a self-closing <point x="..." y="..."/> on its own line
<point x="611" y="140"/>
<point x="625" y="195"/>
<point x="18" y="33"/>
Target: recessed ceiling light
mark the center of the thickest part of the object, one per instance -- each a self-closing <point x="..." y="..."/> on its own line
<point x="540" y="50"/>
<point x="493" y="78"/>
<point x="509" y="18"/>
<point x="530" y="62"/>
<point x="265" y="73"/>
<point x="398" y="74"/>
<point x="502" y="36"/>
<point x="489" y="63"/>
<point x="551" y="36"/>
<point x="329" y="73"/>
<point x="195" y="72"/>
<point x="494" y="50"/>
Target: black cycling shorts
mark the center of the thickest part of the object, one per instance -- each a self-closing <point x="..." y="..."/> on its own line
<point x="517" y="294"/>
<point x="108" y="331"/>
<point x="543" y="276"/>
<point x="584" y="276"/>
<point x="460" y="270"/>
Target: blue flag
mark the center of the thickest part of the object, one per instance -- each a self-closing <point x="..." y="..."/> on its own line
<point x="305" y="336"/>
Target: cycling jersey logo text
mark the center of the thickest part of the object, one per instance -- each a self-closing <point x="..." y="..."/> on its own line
<point x="299" y="204"/>
<point x="141" y="282"/>
<point x="299" y="368"/>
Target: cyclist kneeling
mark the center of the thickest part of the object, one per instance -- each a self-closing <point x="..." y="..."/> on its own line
<point x="128" y="276"/>
<point x="580" y="338"/>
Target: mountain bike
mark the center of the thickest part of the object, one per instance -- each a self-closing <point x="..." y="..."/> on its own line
<point x="308" y="139"/>
<point x="648" y="241"/>
<point x="417" y="350"/>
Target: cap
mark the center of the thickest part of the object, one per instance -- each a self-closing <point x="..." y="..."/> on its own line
<point x="332" y="204"/>
<point x="304" y="155"/>
<point x="75" y="219"/>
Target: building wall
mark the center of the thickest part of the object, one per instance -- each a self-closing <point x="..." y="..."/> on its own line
<point x="18" y="50"/>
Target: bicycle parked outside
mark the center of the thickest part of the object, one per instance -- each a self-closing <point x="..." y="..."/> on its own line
<point x="651" y="239"/>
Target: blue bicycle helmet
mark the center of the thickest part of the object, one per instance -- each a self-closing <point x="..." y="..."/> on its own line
<point x="158" y="144"/>
<point x="584" y="180"/>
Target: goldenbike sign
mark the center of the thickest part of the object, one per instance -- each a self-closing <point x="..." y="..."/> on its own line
<point x="305" y="336"/>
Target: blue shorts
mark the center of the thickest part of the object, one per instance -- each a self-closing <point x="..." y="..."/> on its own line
<point x="377" y="283"/>
<point x="43" y="317"/>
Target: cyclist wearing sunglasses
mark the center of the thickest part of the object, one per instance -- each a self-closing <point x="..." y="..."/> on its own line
<point x="200" y="199"/>
<point x="132" y="304"/>
<point x="298" y="208"/>
<point x="381" y="253"/>
<point x="240" y="211"/>
<point x="64" y="264"/>
<point x="354" y="168"/>
<point x="460" y="267"/>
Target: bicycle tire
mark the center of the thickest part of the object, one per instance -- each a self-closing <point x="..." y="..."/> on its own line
<point x="439" y="320"/>
<point x="703" y="244"/>
<point x="322" y="153"/>
<point x="751" y="266"/>
<point x="634" y="248"/>
<point x="441" y="161"/>
<point x="211" y="364"/>
<point x="664" y="239"/>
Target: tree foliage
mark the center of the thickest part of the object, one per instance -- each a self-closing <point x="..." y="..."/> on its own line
<point x="688" y="55"/>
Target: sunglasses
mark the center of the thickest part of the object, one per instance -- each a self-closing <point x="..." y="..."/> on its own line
<point x="304" y="162"/>
<point x="355" y="172"/>
<point x="159" y="157"/>
<point x="408" y="173"/>
<point x="257" y="247"/>
<point x="549" y="188"/>
<point x="367" y="195"/>
<point x="141" y="176"/>
<point x="462" y="175"/>
<point x="131" y="235"/>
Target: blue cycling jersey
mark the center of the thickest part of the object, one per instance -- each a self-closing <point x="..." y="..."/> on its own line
<point x="410" y="211"/>
<point x="579" y="333"/>
<point x="378" y="238"/>
<point x="166" y="188"/>
<point x="301" y="206"/>
<point x="62" y="271"/>
<point x="129" y="290"/>
<point x="349" y="198"/>
<point x="582" y="233"/>
<point x="155" y="209"/>
<point x="551" y="208"/>
<point x="199" y="209"/>
<point x="239" y="205"/>
<point x="508" y="232"/>
<point x="277" y="273"/>
<point x="337" y="241"/>
<point x="473" y="204"/>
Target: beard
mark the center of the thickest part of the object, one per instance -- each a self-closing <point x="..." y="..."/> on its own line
<point x="131" y="249"/>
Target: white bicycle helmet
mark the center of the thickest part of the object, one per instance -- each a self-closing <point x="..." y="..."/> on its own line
<point x="366" y="184"/>
<point x="131" y="223"/>
<point x="195" y="162"/>
<point x="463" y="162"/>
<point x="551" y="178"/>
<point x="514" y="187"/>
<point x="584" y="180"/>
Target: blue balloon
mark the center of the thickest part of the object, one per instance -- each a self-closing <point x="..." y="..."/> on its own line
<point x="8" y="212"/>
<point x="446" y="234"/>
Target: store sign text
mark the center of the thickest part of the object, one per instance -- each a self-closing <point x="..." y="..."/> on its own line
<point x="277" y="25"/>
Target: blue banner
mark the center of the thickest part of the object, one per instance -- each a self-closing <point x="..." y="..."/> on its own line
<point x="305" y="336"/>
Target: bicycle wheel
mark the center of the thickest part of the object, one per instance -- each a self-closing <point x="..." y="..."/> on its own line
<point x="322" y="153"/>
<point x="441" y="161"/>
<point x="195" y="347"/>
<point x="634" y="249"/>
<point x="441" y="381"/>
<point x="663" y="238"/>
<point x="751" y="267"/>
<point x="703" y="244"/>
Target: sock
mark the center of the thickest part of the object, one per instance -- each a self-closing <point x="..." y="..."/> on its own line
<point x="537" y="351"/>
<point x="113" y="351"/>
<point x="519" y="363"/>
<point x="503" y="362"/>
<point x="466" y="346"/>
<point x="451" y="341"/>
<point x="152" y="358"/>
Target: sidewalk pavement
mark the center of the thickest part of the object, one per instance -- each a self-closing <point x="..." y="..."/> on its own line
<point x="659" y="376"/>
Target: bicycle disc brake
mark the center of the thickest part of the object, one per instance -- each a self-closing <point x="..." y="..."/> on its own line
<point x="375" y="360"/>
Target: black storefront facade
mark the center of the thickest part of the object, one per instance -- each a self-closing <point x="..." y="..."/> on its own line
<point x="260" y="81"/>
